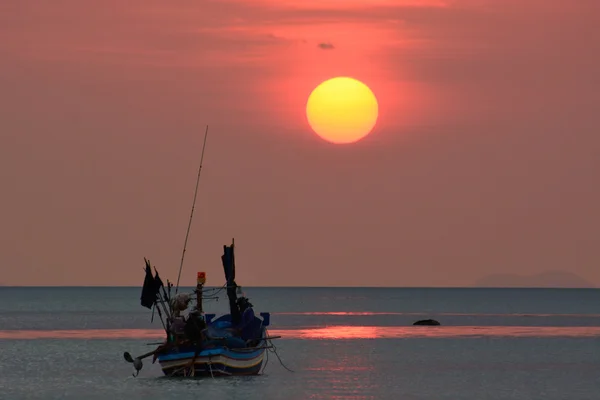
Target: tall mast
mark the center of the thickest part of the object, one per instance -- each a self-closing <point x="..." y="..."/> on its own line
<point x="192" y="213"/>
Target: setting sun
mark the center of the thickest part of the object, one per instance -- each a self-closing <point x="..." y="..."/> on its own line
<point x="342" y="110"/>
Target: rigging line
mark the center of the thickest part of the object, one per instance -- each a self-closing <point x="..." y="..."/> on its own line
<point x="192" y="213"/>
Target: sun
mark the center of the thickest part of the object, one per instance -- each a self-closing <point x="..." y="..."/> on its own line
<point x="342" y="110"/>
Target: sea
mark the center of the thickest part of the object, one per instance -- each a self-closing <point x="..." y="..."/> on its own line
<point x="336" y="343"/>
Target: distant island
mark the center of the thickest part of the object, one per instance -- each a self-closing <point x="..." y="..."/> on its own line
<point x="547" y="279"/>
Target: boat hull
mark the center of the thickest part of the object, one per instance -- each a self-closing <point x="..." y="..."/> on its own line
<point x="213" y="362"/>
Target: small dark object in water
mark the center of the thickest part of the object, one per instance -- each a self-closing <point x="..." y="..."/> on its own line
<point x="427" y="322"/>
<point x="137" y="364"/>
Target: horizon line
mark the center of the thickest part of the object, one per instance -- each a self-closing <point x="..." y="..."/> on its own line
<point x="314" y="287"/>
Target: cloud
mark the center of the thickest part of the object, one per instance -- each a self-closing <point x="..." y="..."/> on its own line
<point x="326" y="46"/>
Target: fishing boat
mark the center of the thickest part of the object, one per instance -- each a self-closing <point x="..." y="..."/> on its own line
<point x="198" y="344"/>
<point x="202" y="345"/>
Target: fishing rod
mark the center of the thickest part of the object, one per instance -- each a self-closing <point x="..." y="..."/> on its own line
<point x="193" y="206"/>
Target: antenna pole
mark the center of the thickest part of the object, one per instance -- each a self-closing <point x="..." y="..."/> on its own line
<point x="192" y="213"/>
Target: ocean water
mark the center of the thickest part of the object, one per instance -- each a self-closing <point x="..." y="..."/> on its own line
<point x="340" y="343"/>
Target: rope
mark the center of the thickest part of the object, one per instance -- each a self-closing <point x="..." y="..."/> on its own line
<point x="274" y="350"/>
<point x="180" y="369"/>
<point x="209" y="363"/>
<point x="266" y="362"/>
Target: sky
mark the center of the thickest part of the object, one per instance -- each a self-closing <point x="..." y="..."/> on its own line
<point x="484" y="158"/>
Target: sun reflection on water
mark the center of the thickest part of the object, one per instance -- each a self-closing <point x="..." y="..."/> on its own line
<point x="400" y="332"/>
<point x="337" y="332"/>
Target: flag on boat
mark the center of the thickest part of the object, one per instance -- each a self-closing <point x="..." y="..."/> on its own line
<point x="152" y="285"/>
<point x="228" y="259"/>
<point x="228" y="264"/>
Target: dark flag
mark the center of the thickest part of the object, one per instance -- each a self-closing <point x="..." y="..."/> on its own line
<point x="228" y="260"/>
<point x="151" y="287"/>
<point x="157" y="281"/>
<point x="228" y="264"/>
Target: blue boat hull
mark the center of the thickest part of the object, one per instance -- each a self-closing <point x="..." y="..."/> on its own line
<point x="213" y="362"/>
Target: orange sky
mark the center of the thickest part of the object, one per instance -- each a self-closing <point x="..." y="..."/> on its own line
<point x="484" y="158"/>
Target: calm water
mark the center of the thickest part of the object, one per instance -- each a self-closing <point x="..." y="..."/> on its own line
<point x="67" y="343"/>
